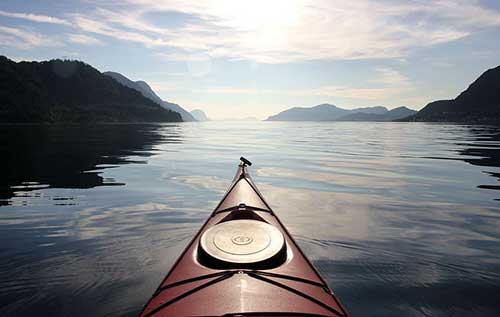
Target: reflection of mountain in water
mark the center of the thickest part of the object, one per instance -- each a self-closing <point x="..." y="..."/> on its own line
<point x="486" y="151"/>
<point x="62" y="156"/>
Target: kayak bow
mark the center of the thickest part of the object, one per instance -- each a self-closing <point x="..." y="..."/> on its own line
<point x="243" y="262"/>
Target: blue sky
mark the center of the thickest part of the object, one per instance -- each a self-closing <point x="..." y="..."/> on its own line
<point x="256" y="58"/>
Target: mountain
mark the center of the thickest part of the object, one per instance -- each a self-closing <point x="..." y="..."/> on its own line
<point x="323" y="112"/>
<point x="247" y="119"/>
<point x="400" y="112"/>
<point x="394" y="114"/>
<point x="70" y="91"/>
<point x="327" y="112"/>
<point x="479" y="103"/>
<point x="147" y="92"/>
<point x="371" y="110"/>
<point x="199" y="115"/>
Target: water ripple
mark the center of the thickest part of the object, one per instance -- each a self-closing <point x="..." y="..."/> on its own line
<point x="401" y="219"/>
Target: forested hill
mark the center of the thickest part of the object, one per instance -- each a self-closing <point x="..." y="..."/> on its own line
<point x="70" y="91"/>
<point x="479" y="103"/>
<point x="147" y="92"/>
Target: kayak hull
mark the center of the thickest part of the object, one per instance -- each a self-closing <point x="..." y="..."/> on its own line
<point x="286" y="285"/>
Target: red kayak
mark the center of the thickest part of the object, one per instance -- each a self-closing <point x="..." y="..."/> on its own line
<point x="243" y="262"/>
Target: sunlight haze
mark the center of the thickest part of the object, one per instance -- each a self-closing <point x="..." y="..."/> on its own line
<point x="235" y="59"/>
<point x="312" y="158"/>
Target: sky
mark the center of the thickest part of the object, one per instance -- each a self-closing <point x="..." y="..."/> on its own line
<point x="236" y="59"/>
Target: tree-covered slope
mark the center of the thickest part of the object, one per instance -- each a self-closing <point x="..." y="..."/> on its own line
<point x="480" y="103"/>
<point x="70" y="91"/>
<point x="148" y="92"/>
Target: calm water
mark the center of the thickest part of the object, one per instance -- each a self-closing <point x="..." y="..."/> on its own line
<point x="401" y="219"/>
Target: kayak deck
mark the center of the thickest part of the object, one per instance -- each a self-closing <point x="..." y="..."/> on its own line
<point x="273" y="282"/>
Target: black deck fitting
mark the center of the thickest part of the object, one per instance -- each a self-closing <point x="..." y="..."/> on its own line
<point x="245" y="161"/>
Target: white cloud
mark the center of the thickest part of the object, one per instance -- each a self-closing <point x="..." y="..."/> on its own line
<point x="83" y="39"/>
<point x="356" y="93"/>
<point x="24" y="39"/>
<point x="391" y="77"/>
<point x="34" y="17"/>
<point x="232" y="91"/>
<point x="282" y="31"/>
<point x="160" y="87"/>
<point x="388" y="85"/>
<point x="98" y="27"/>
<point x="183" y="56"/>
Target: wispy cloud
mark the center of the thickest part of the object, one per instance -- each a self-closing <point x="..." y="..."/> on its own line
<point x="34" y="17"/>
<point x="353" y="93"/>
<point x="235" y="91"/>
<point x="293" y="30"/>
<point x="183" y="56"/>
<point x="388" y="84"/>
<point x="104" y="28"/>
<point x="160" y="87"/>
<point x="391" y="77"/>
<point x="281" y="31"/>
<point x="83" y="39"/>
<point x="24" y="39"/>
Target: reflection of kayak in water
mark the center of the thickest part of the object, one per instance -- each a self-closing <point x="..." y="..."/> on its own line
<point x="243" y="262"/>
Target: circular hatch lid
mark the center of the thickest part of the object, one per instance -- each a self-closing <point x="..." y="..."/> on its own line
<point x="243" y="243"/>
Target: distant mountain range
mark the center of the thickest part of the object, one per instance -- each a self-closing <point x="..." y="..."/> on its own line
<point x="327" y="112"/>
<point x="480" y="103"/>
<point x="199" y="115"/>
<point x="147" y="92"/>
<point x="71" y="91"/>
<point x="390" y="115"/>
<point x="246" y="119"/>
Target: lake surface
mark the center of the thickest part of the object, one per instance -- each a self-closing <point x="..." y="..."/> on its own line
<point x="401" y="219"/>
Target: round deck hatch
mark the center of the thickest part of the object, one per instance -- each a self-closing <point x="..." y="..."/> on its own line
<point x="242" y="243"/>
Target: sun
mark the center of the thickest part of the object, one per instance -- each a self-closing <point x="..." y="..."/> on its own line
<point x="261" y="25"/>
<point x="260" y="14"/>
